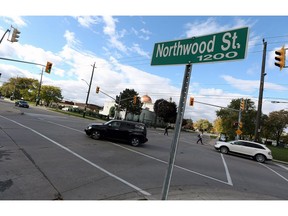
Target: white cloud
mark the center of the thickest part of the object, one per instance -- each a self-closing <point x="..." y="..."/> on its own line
<point x="88" y="21"/>
<point x="251" y="85"/>
<point x="211" y="91"/>
<point x="136" y="48"/>
<point x="110" y="30"/>
<point x="15" y="21"/>
<point x="202" y="28"/>
<point x="70" y="38"/>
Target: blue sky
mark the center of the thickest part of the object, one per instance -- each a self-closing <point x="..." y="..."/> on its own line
<point x="122" y="47"/>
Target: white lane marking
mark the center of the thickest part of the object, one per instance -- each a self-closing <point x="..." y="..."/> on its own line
<point x="179" y="167"/>
<point x="64" y="126"/>
<point x="82" y="158"/>
<point x="274" y="172"/>
<point x="159" y="160"/>
<point x="227" y="171"/>
<point x="282" y="166"/>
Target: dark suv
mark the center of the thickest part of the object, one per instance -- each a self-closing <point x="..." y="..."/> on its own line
<point x="125" y="131"/>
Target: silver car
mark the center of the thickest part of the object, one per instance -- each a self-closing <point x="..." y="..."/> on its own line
<point x="258" y="151"/>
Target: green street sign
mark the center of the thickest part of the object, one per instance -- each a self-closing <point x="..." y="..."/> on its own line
<point x="223" y="46"/>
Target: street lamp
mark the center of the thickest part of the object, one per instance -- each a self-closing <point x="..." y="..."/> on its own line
<point x="85" y="82"/>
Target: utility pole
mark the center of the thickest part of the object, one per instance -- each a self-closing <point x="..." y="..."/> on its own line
<point x="87" y="98"/>
<point x="39" y="89"/>
<point x="259" y="110"/>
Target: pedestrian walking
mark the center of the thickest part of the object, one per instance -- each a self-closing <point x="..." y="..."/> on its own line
<point x="166" y="130"/>
<point x="200" y="135"/>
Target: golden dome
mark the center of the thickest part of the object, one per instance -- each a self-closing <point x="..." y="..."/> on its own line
<point x="146" y="99"/>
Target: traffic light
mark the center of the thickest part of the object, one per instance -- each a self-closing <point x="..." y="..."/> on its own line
<point x="280" y="57"/>
<point x="191" y="101"/>
<point x="48" y="67"/>
<point x="15" y="35"/>
<point x="97" y="89"/>
<point x="242" y="105"/>
<point x="134" y="99"/>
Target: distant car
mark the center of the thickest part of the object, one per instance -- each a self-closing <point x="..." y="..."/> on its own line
<point x="22" y="103"/>
<point x="126" y="131"/>
<point x="257" y="151"/>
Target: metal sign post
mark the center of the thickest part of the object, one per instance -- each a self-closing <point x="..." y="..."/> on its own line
<point x="174" y="145"/>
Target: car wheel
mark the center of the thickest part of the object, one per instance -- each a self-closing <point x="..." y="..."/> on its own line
<point x="96" y="135"/>
<point x="224" y="150"/>
<point x="260" y="158"/>
<point x="135" y="141"/>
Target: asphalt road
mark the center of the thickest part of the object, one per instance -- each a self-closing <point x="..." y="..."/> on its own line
<point x="46" y="155"/>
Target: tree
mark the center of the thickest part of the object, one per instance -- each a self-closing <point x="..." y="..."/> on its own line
<point x="19" y="87"/>
<point x="112" y="111"/>
<point x="126" y="102"/>
<point x="217" y="125"/>
<point x="203" y="125"/>
<point x="188" y="124"/>
<point x="50" y="94"/>
<point x="166" y="110"/>
<point x="277" y="122"/>
<point x="229" y="117"/>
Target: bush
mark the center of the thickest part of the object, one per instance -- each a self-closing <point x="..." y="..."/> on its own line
<point x="279" y="153"/>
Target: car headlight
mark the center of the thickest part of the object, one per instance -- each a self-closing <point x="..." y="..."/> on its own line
<point x="89" y="127"/>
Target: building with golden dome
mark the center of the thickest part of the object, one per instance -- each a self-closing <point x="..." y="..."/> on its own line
<point x="146" y="99"/>
<point x="147" y="103"/>
<point x="147" y="115"/>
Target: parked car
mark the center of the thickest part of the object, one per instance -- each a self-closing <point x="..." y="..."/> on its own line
<point x="126" y="131"/>
<point x="257" y="151"/>
<point x="22" y="103"/>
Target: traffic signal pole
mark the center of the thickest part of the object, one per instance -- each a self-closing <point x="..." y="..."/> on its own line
<point x="178" y="124"/>
<point x="8" y="30"/>
<point x="39" y="89"/>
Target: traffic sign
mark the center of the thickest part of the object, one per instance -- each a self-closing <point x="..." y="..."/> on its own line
<point x="238" y="132"/>
<point x="223" y="46"/>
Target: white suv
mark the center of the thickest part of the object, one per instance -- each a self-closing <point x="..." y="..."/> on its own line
<point x="258" y="151"/>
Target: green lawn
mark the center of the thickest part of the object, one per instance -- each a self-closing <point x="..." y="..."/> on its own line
<point x="279" y="153"/>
